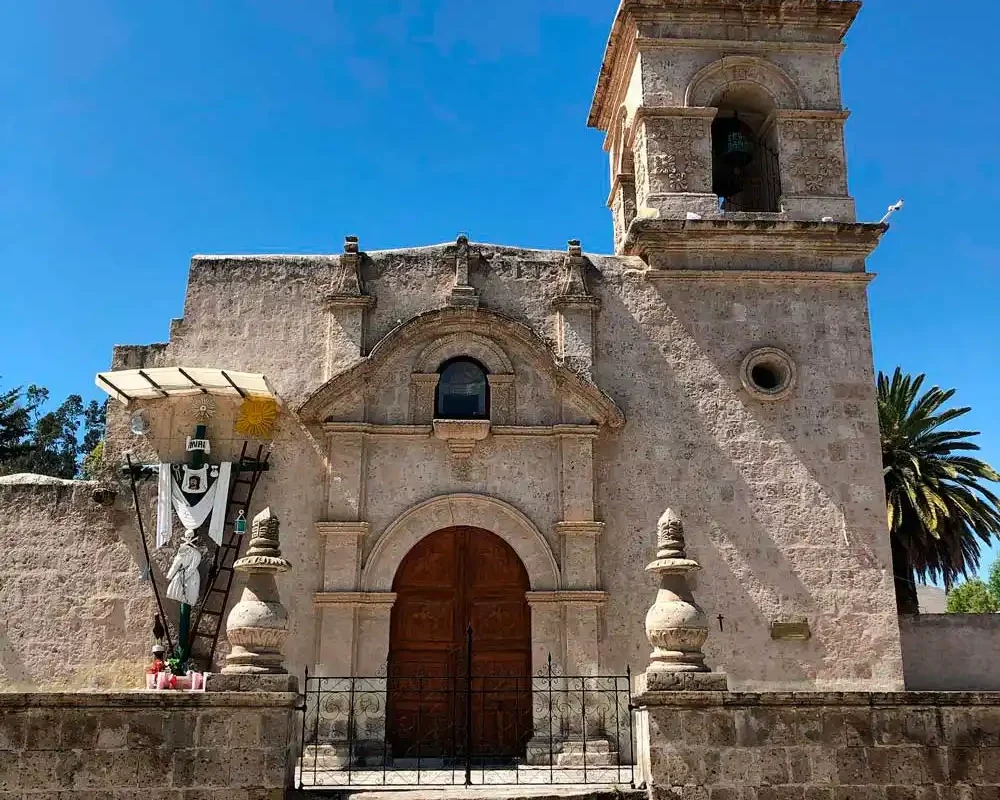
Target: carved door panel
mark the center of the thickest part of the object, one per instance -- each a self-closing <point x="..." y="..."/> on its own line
<point x="452" y="579"/>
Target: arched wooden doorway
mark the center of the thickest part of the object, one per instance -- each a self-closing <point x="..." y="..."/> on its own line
<point x="451" y="580"/>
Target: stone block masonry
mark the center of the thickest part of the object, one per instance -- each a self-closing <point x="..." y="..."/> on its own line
<point x="820" y="746"/>
<point x="132" y="745"/>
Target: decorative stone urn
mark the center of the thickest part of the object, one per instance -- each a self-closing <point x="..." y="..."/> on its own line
<point x="675" y="625"/>
<point x="258" y="625"/>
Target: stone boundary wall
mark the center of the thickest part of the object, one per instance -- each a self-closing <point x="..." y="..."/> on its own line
<point x="137" y="745"/>
<point x="74" y="613"/>
<point x="951" y="652"/>
<point x="820" y="746"/>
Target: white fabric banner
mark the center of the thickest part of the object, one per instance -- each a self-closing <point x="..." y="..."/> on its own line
<point x="213" y="503"/>
<point x="164" y="520"/>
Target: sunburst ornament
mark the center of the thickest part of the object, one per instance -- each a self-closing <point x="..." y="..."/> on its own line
<point x="202" y="409"/>
<point x="257" y="417"/>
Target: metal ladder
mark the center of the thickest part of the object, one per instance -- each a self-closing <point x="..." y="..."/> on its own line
<point x="210" y="613"/>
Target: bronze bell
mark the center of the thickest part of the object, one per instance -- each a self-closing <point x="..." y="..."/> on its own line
<point x="733" y="150"/>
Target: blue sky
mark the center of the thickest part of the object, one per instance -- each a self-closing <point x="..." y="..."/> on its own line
<point x="134" y="135"/>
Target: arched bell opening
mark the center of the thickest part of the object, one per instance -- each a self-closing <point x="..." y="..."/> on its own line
<point x="745" y="169"/>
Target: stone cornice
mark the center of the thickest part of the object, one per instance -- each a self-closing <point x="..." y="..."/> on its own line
<point x="780" y="276"/>
<point x="568" y="596"/>
<point x="728" y="236"/>
<point x="579" y="528"/>
<point x="731" y="47"/>
<point x="373" y="429"/>
<point x="341" y="528"/>
<point x="355" y="599"/>
<point x="334" y="300"/>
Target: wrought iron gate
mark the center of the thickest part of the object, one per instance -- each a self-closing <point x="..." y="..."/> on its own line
<point x="467" y="729"/>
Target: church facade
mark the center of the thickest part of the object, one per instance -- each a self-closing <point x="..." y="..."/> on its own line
<point x="482" y="436"/>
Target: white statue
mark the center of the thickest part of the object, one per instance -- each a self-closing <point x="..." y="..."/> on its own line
<point x="185" y="580"/>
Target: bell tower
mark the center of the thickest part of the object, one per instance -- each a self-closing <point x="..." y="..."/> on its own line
<point x="729" y="113"/>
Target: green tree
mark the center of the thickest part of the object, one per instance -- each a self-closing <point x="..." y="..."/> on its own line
<point x="939" y="508"/>
<point x="47" y="443"/>
<point x="972" y="597"/>
<point x="993" y="582"/>
<point x="15" y="425"/>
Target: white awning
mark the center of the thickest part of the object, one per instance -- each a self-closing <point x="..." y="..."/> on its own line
<point x="126" y="385"/>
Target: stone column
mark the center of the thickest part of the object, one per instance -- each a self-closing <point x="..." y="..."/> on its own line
<point x="423" y="388"/>
<point x="547" y="658"/>
<point x="258" y="624"/>
<point x="341" y="572"/>
<point x="672" y="153"/>
<point x="502" y="400"/>
<point x="569" y="620"/>
<point x="812" y="164"/>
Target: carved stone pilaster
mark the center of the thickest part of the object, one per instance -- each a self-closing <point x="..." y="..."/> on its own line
<point x="258" y="625"/>
<point x="348" y="305"/>
<point x="675" y="625"/>
<point x="576" y="307"/>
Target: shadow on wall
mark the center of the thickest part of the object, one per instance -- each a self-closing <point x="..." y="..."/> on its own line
<point x="813" y="458"/>
<point x="689" y="422"/>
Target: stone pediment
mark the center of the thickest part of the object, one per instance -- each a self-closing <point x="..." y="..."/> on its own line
<point x="449" y="325"/>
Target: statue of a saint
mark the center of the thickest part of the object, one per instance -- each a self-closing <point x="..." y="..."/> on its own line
<point x="185" y="580"/>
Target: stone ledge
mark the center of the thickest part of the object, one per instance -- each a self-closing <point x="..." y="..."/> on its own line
<point x="144" y="699"/>
<point x="218" y="682"/>
<point x="815" y="699"/>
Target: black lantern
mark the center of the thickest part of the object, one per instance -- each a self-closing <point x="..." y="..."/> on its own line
<point x="733" y="151"/>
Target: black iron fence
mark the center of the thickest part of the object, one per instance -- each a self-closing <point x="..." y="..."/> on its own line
<point x="467" y="729"/>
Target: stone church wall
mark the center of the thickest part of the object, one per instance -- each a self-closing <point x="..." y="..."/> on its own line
<point x="781" y="500"/>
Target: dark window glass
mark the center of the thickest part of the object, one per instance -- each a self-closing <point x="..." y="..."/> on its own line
<point x="463" y="392"/>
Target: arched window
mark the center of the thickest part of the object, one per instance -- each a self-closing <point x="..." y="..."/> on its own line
<point x="463" y="391"/>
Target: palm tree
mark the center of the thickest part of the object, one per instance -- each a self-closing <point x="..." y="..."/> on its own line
<point x="939" y="508"/>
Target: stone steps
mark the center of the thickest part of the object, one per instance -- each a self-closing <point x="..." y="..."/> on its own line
<point x="483" y="793"/>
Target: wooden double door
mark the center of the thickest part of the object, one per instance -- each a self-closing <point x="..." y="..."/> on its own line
<point x="453" y="580"/>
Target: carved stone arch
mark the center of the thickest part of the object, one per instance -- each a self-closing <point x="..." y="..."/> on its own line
<point x="396" y="350"/>
<point x="470" y="510"/>
<point x="732" y="72"/>
<point x="484" y="350"/>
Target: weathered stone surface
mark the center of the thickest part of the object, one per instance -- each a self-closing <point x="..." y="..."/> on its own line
<point x="122" y="744"/>
<point x="903" y="745"/>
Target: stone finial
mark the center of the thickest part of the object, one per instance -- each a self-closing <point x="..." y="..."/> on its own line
<point x="676" y="627"/>
<point x="258" y="625"/>
<point x="346" y="283"/>
<point x="571" y="280"/>
<point x="463" y="294"/>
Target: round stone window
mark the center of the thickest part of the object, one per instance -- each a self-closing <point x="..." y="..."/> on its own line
<point x="768" y="373"/>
